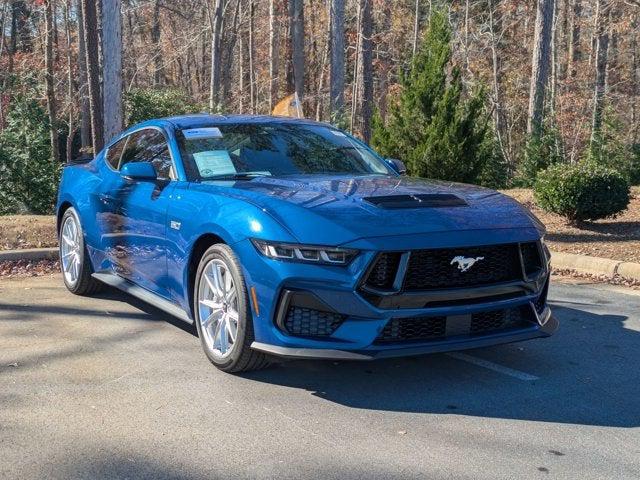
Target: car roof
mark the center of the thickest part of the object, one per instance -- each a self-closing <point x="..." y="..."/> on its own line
<point x="202" y="119"/>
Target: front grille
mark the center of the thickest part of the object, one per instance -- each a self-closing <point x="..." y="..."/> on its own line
<point x="413" y="329"/>
<point x="424" y="329"/>
<point x="541" y="301"/>
<point x="465" y="267"/>
<point x="307" y="322"/>
<point x="432" y="269"/>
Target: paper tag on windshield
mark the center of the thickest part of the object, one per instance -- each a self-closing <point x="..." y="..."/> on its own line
<point x="337" y="133"/>
<point x="195" y="133"/>
<point x="214" y="162"/>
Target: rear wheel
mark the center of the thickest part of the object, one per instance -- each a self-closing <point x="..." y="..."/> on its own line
<point x="74" y="261"/>
<point x="222" y="313"/>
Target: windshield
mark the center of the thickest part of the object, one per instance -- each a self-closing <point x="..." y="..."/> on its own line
<point x="247" y="150"/>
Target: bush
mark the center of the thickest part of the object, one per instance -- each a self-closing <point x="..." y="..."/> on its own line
<point x="436" y="126"/>
<point x="541" y="151"/>
<point x="146" y="103"/>
<point x="584" y="191"/>
<point x="28" y="175"/>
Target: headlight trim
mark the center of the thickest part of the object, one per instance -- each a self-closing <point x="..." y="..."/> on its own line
<point x="303" y="253"/>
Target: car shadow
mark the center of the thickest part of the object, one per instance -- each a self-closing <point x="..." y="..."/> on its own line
<point x="587" y="374"/>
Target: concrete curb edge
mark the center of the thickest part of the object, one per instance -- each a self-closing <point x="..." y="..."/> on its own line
<point x="559" y="260"/>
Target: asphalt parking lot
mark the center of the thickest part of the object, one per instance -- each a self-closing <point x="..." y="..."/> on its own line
<point x="109" y="388"/>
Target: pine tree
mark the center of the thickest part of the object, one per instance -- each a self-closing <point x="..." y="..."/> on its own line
<point x="435" y="126"/>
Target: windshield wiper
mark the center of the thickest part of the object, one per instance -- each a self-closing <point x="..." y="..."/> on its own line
<point x="237" y="176"/>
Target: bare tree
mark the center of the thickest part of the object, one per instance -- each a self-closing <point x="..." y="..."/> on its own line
<point x="49" y="80"/>
<point x="602" y="50"/>
<point x="158" y="73"/>
<point x="416" y="26"/>
<point x="252" y="76"/>
<point x="216" y="60"/>
<point x="337" y="73"/>
<point x="573" y="54"/>
<point x="296" y="13"/>
<point x="83" y="88"/>
<point x="90" y="27"/>
<point x="273" y="53"/>
<point x="112" y="70"/>
<point x="365" y="68"/>
<point x="540" y="65"/>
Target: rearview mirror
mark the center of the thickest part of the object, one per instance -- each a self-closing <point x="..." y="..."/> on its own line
<point x="397" y="165"/>
<point x="139" y="171"/>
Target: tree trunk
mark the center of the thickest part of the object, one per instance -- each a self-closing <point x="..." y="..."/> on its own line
<point x="337" y="73"/>
<point x="216" y="31"/>
<point x="70" y="83"/>
<point x="83" y="89"/>
<point x="112" y="72"/>
<point x="540" y="65"/>
<point x="273" y="53"/>
<point x="252" y="76"/>
<point x="499" y="120"/>
<point x="574" y="55"/>
<point x="49" y="80"/>
<point x="158" y="74"/>
<point x="296" y="11"/>
<point x="602" y="51"/>
<point x="93" y="73"/>
<point x="635" y="79"/>
<point x="366" y="69"/>
<point x="416" y="27"/>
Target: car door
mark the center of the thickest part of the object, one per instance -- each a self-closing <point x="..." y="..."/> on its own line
<point x="137" y="212"/>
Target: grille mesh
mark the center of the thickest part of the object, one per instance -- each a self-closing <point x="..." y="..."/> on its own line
<point x="531" y="258"/>
<point x="432" y="269"/>
<point x="417" y="329"/>
<point x="413" y="329"/>
<point x="384" y="271"/>
<point x="308" y="322"/>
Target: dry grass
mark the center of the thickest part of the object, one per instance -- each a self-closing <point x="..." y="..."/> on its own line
<point x="617" y="238"/>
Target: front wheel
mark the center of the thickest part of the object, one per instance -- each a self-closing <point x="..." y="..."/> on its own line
<point x="222" y="313"/>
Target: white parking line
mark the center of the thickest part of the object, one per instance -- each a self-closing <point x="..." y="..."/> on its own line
<point x="493" y="366"/>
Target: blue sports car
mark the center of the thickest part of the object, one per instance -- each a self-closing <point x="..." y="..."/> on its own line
<point x="287" y="237"/>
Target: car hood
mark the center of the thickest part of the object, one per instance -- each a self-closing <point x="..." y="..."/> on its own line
<point x="331" y="210"/>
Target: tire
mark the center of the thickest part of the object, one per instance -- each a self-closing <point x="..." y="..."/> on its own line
<point x="76" y="267"/>
<point x="218" y="311"/>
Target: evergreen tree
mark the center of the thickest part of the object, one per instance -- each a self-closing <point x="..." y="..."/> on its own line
<point x="434" y="127"/>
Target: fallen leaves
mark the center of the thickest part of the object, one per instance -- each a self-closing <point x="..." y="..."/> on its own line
<point x="27" y="268"/>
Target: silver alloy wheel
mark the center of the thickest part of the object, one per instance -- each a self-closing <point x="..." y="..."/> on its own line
<point x="70" y="250"/>
<point x="218" y="307"/>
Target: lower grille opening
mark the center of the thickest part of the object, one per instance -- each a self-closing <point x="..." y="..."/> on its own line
<point x="424" y="329"/>
<point x="307" y="322"/>
<point x="413" y="329"/>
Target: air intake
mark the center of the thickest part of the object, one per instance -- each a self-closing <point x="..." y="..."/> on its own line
<point x="432" y="200"/>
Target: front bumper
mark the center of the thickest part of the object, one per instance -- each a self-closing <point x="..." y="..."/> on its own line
<point x="362" y="321"/>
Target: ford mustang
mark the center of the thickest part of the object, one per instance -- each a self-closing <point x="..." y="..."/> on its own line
<point x="291" y="238"/>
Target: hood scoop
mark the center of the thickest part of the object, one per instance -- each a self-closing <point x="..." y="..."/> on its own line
<point x="429" y="200"/>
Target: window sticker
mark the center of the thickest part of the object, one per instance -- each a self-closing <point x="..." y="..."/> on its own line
<point x="214" y="162"/>
<point x="337" y="133"/>
<point x="195" y="133"/>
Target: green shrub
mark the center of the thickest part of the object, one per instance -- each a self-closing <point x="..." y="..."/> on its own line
<point x="146" y="103"/>
<point x="28" y="175"/>
<point x="584" y="191"/>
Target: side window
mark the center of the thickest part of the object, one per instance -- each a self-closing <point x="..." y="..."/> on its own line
<point x="115" y="152"/>
<point x="149" y="145"/>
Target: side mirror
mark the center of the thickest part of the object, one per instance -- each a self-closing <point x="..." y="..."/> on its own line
<point x="397" y="165"/>
<point x="139" y="171"/>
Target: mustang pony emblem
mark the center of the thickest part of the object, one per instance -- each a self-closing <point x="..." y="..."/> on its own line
<point x="465" y="263"/>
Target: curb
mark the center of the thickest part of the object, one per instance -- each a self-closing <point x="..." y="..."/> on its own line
<point x="595" y="265"/>
<point x="31" y="254"/>
<point x="559" y="260"/>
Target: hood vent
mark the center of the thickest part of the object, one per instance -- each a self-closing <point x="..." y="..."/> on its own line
<point x="430" y="200"/>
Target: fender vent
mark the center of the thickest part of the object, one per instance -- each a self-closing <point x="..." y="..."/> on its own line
<point x="430" y="200"/>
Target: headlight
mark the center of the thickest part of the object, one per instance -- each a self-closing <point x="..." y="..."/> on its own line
<point x="305" y="253"/>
